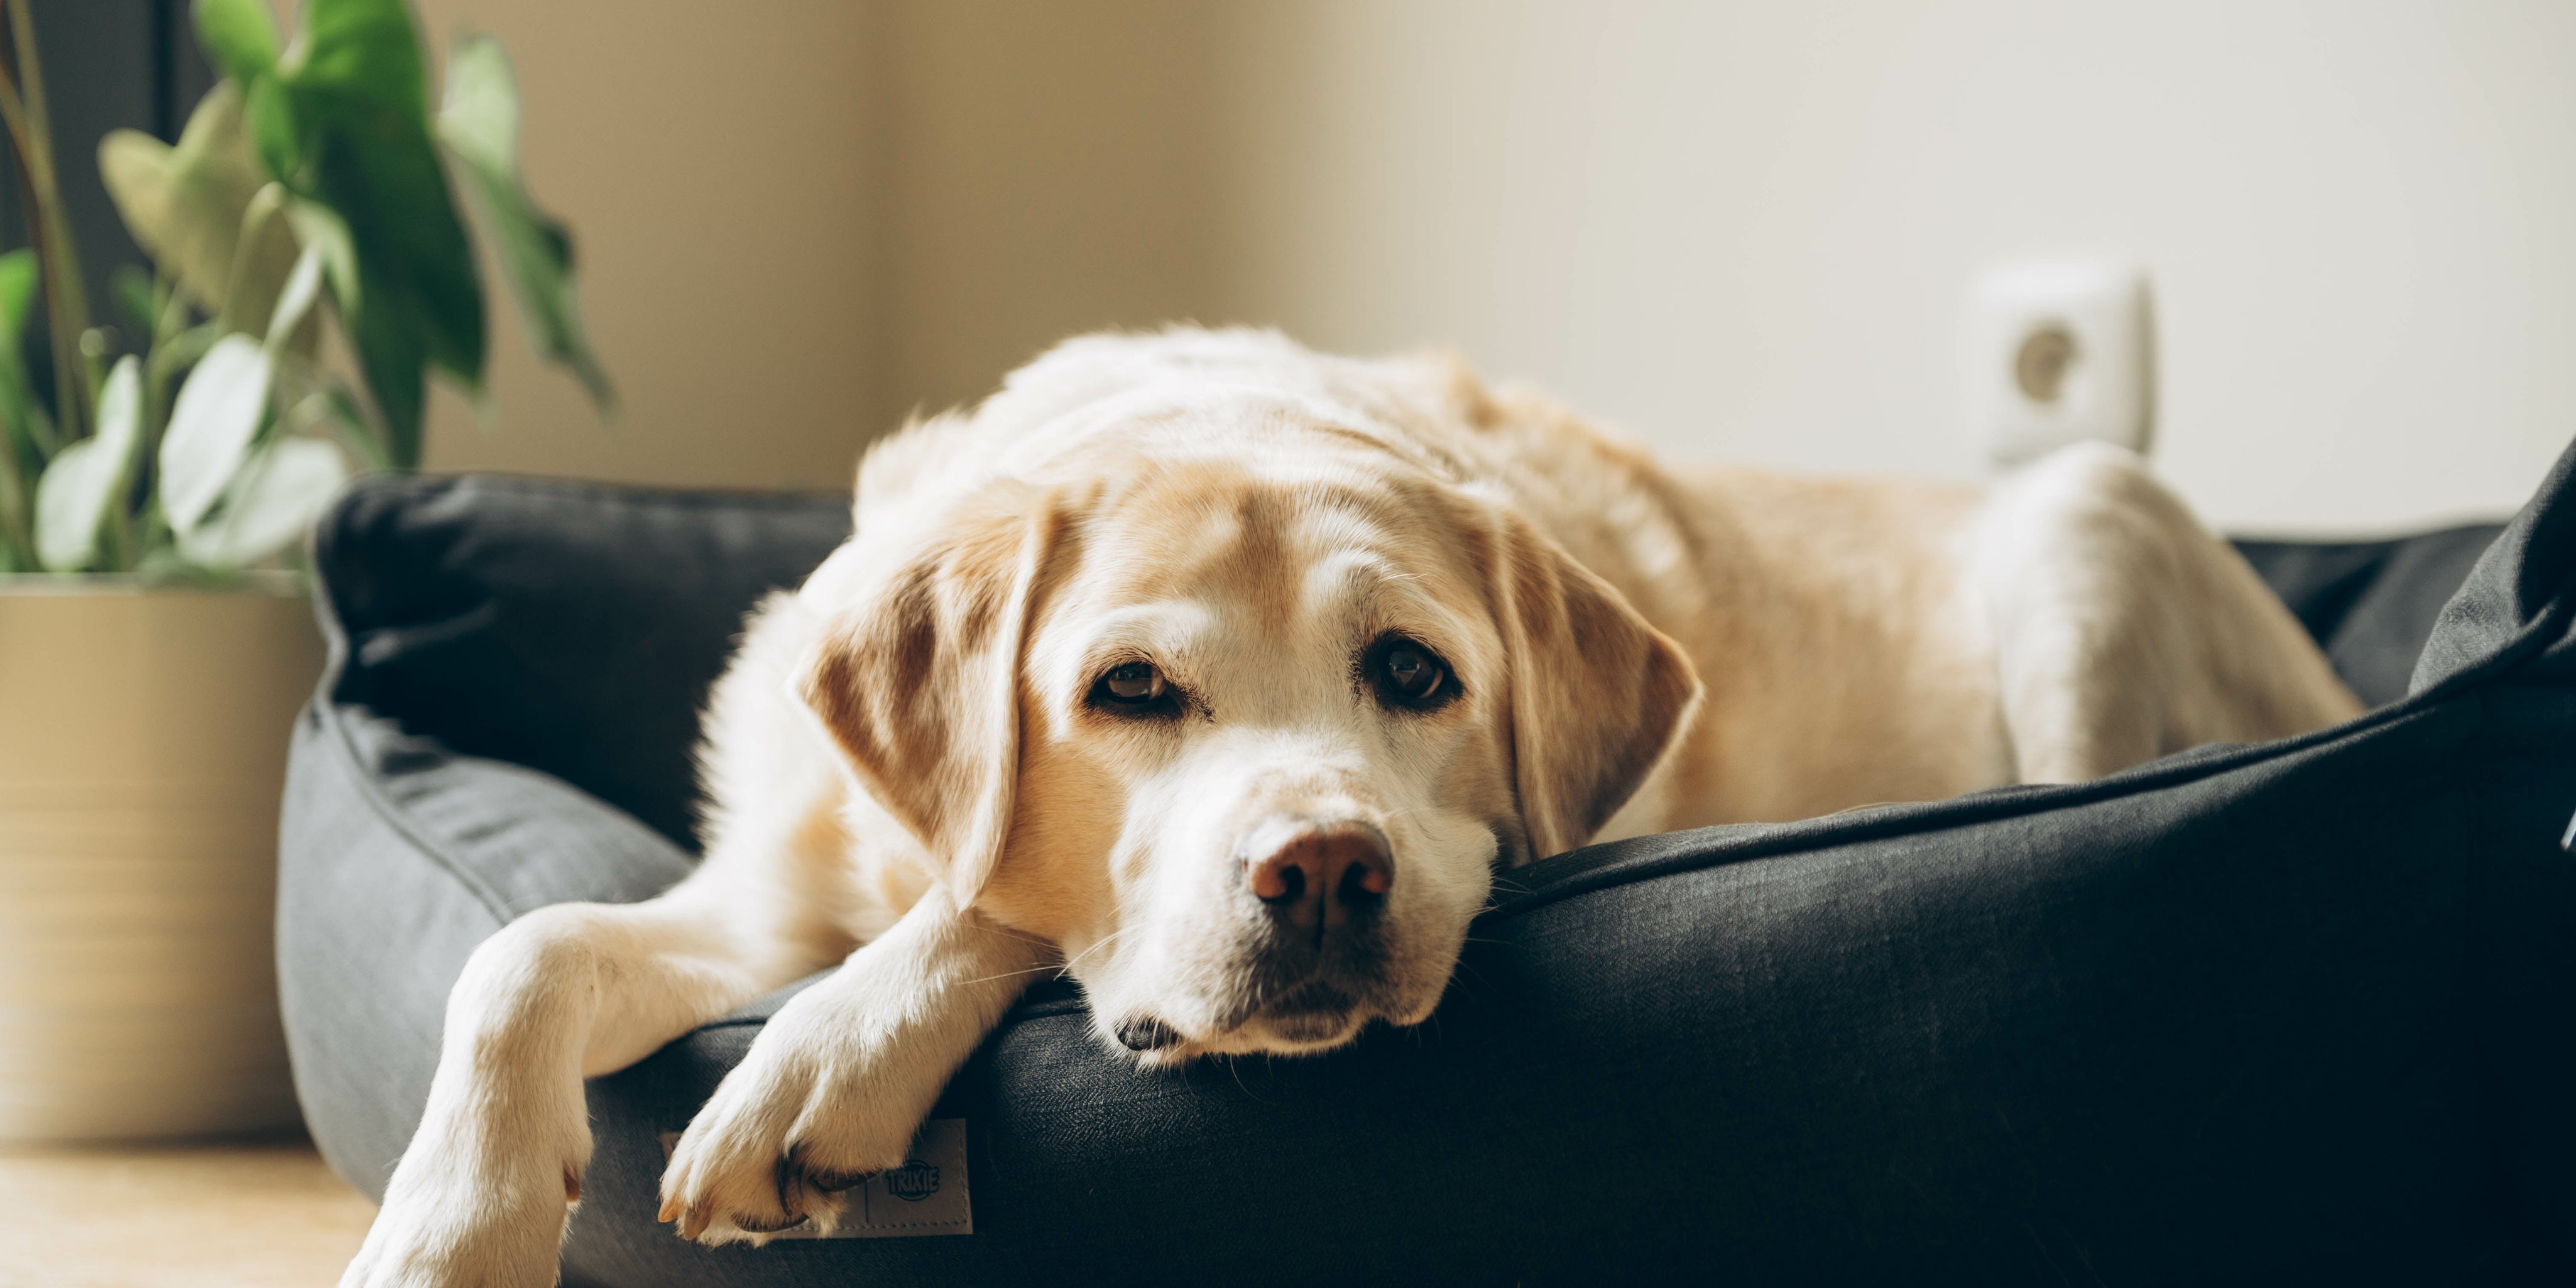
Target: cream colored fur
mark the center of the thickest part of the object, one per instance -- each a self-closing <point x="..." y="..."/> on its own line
<point x="907" y="780"/>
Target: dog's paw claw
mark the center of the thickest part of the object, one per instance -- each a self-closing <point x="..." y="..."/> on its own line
<point x="737" y="1174"/>
<point x="754" y="1227"/>
<point x="841" y="1182"/>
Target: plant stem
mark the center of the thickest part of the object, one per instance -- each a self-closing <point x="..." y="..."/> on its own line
<point x="15" y="529"/>
<point x="66" y="299"/>
<point x="38" y="430"/>
<point x="17" y="526"/>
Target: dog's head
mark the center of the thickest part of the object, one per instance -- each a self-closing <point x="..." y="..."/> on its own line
<point x="1246" y="734"/>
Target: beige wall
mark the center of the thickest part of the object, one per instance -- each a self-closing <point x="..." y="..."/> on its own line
<point x="1045" y="169"/>
<point x="713" y="162"/>
<point x="1744" y="230"/>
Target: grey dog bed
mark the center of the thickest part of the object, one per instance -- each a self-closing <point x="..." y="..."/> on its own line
<point x="2292" y="1012"/>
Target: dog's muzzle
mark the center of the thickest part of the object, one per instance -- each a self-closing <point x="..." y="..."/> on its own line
<point x="1316" y="943"/>
<point x="1319" y="880"/>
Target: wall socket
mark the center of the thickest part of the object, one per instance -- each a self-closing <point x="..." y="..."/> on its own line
<point x="2060" y="352"/>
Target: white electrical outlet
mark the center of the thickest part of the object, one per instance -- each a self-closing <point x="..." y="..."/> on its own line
<point x="2060" y="352"/>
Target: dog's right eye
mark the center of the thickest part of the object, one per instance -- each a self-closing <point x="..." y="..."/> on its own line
<point x="1135" y="688"/>
<point x="1408" y="674"/>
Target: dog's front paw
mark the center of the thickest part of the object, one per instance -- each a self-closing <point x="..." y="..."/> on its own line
<point x="790" y="1129"/>
<point x="452" y="1227"/>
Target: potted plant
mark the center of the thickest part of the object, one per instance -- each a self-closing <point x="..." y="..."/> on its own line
<point x="310" y="268"/>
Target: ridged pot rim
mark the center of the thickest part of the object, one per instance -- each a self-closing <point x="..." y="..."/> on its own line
<point x="56" y="585"/>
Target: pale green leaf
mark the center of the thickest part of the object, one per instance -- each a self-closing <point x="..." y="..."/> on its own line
<point x="81" y="487"/>
<point x="140" y="175"/>
<point x="185" y="204"/>
<point x="271" y="505"/>
<point x="479" y="123"/>
<point x="295" y="301"/>
<point x="263" y="258"/>
<point x="120" y="406"/>
<point x="212" y="423"/>
<point x="68" y="505"/>
<point x="318" y="225"/>
<point x="480" y="116"/>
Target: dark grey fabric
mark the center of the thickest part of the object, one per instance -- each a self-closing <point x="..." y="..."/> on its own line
<point x="2371" y="604"/>
<point x="568" y="628"/>
<point x="396" y="859"/>
<point x="2291" y="1012"/>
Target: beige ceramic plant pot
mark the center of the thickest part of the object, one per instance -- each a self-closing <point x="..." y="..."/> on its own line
<point x="142" y="751"/>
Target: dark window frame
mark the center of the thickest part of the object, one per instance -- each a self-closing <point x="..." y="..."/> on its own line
<point x="108" y="64"/>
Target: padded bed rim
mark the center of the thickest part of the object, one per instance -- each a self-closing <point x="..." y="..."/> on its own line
<point x="1558" y="877"/>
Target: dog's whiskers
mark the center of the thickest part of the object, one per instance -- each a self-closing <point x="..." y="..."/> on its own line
<point x="1008" y="933"/>
<point x="1010" y="974"/>
<point x="1076" y="959"/>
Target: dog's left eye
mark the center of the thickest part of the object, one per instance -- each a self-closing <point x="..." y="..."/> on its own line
<point x="1406" y="673"/>
<point x="1135" y="688"/>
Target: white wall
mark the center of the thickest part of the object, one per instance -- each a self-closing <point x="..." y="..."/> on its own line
<point x="1745" y="230"/>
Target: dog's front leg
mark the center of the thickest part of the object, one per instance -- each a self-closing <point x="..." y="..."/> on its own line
<point x="561" y="994"/>
<point x="838" y="1082"/>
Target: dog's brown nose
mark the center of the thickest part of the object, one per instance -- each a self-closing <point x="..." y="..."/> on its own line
<point x="1322" y="875"/>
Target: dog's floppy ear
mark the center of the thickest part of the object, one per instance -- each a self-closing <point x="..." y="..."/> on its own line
<point x="1598" y="694"/>
<point x="919" y="680"/>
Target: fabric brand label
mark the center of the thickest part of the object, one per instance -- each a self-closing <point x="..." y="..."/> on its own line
<point x="925" y="1196"/>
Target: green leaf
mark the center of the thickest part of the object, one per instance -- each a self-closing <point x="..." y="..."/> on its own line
<point x="240" y="37"/>
<point x="360" y="112"/>
<point x="19" y="277"/>
<point x="30" y="431"/>
<point x="24" y="439"/>
<point x="212" y="423"/>
<point x="394" y="360"/>
<point x="280" y="141"/>
<point x="279" y="494"/>
<point x="80" y="489"/>
<point x="347" y="126"/>
<point x="185" y="205"/>
<point x="366" y="48"/>
<point x="479" y="123"/>
<point x="130" y="286"/>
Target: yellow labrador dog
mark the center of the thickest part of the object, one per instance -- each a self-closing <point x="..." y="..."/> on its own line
<point x="1223" y="675"/>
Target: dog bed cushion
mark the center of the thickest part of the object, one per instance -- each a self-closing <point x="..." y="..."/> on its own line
<point x="2297" y="1011"/>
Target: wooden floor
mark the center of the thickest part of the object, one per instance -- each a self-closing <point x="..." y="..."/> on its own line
<point x="244" y="1214"/>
